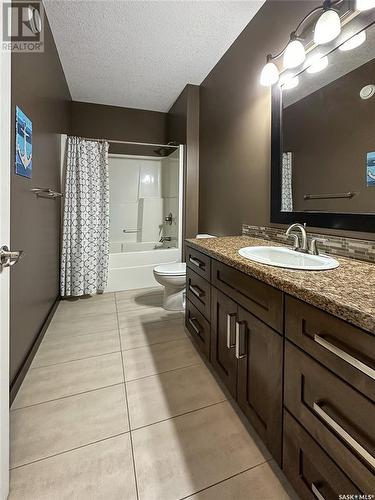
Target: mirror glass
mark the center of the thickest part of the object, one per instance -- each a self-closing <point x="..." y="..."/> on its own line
<point x="328" y="133"/>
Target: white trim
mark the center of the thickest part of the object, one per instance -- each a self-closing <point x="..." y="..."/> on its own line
<point x="5" y="121"/>
<point x="180" y="199"/>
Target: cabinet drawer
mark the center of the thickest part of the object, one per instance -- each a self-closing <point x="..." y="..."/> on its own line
<point x="262" y="300"/>
<point x="311" y="472"/>
<point x="338" y="417"/>
<point x="198" y="261"/>
<point x="345" y="349"/>
<point x="199" y="328"/>
<point x="198" y="291"/>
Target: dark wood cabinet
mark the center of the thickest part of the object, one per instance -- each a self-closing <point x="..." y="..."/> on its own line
<point x="312" y="473"/>
<point x="223" y="324"/>
<point x="259" y="386"/>
<point x="303" y="378"/>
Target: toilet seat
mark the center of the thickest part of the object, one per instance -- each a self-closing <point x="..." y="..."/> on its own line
<point x="173" y="269"/>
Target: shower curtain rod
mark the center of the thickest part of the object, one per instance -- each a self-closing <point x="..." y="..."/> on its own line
<point x="131" y="143"/>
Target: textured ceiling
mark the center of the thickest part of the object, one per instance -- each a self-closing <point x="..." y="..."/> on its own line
<point x="141" y="54"/>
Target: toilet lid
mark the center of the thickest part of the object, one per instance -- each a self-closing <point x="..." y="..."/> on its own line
<point x="176" y="269"/>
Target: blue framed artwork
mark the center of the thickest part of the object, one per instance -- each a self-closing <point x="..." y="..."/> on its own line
<point x="370" y="172"/>
<point x="24" y="145"/>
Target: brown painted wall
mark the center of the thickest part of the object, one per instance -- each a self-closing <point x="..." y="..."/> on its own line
<point x="183" y="127"/>
<point x="329" y="133"/>
<point x="98" y="121"/>
<point x="235" y="124"/>
<point x="40" y="90"/>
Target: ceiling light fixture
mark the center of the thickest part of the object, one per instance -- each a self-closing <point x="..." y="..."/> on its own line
<point x="354" y="41"/>
<point x="365" y="4"/>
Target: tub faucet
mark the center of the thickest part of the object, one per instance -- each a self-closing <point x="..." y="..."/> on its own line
<point x="299" y="248"/>
<point x="165" y="238"/>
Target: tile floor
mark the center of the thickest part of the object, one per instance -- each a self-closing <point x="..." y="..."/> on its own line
<point x="118" y="405"/>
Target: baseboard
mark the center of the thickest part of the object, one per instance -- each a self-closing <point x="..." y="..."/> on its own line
<point x="18" y="379"/>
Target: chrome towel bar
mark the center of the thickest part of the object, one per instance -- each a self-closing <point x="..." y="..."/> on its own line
<point x="46" y="193"/>
<point x="328" y="196"/>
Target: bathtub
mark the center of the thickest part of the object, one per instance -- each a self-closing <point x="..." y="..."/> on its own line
<point x="133" y="267"/>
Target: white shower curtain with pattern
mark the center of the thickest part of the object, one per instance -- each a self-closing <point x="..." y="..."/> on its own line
<point x="85" y="239"/>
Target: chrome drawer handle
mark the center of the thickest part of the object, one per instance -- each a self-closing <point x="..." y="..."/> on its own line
<point x="196" y="291"/>
<point x="229" y="328"/>
<point x="196" y="262"/>
<point x="195" y="328"/>
<point x="344" y="435"/>
<point x="367" y="370"/>
<point x="316" y="492"/>
<point x="238" y="332"/>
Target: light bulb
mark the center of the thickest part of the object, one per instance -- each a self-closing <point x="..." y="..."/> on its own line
<point x="317" y="63"/>
<point x="294" y="54"/>
<point x="327" y="27"/>
<point x="269" y="75"/>
<point x="365" y="4"/>
<point x="354" y="41"/>
<point x="289" y="81"/>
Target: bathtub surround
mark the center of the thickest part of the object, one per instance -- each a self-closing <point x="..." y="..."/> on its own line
<point x="336" y="245"/>
<point x="39" y="88"/>
<point x="85" y="240"/>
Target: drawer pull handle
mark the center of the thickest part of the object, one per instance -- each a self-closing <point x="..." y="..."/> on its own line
<point x="344" y="435"/>
<point x="196" y="291"/>
<point x="194" y="326"/>
<point x="229" y="330"/>
<point x="316" y="492"/>
<point x="367" y="370"/>
<point x="238" y="334"/>
<point x="197" y="262"/>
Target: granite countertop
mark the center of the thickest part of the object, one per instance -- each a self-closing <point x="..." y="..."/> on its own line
<point x="347" y="292"/>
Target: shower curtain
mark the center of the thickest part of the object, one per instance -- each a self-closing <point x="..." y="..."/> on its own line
<point x="85" y="240"/>
<point x="286" y="183"/>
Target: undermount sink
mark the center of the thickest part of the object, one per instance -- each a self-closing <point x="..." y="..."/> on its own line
<point x="288" y="258"/>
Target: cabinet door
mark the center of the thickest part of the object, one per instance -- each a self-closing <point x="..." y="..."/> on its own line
<point x="223" y="321"/>
<point x="259" y="350"/>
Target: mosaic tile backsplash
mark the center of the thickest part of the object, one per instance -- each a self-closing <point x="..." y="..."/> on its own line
<point x="336" y="245"/>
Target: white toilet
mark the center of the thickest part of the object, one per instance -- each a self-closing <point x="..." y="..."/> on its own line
<point x="173" y="278"/>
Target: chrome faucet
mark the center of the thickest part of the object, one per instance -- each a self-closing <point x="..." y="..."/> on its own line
<point x="297" y="246"/>
<point x="165" y="238"/>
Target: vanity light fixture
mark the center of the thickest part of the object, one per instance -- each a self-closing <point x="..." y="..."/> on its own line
<point x="328" y="26"/>
<point x="294" y="54"/>
<point x="289" y="81"/>
<point x="365" y="4"/>
<point x="317" y="63"/>
<point x="270" y="73"/>
<point x="353" y="42"/>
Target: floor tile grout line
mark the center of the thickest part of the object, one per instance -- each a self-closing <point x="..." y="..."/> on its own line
<point x="75" y="359"/>
<point x="226" y="479"/>
<point x="69" y="450"/>
<point x="49" y="337"/>
<point x="65" y="397"/>
<point x="157" y="343"/>
<point x="160" y="373"/>
<point x="127" y="405"/>
<point x="172" y="417"/>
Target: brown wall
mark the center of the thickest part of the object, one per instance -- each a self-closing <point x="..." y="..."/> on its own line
<point x="98" y="121"/>
<point x="235" y="124"/>
<point x="183" y="128"/>
<point x="329" y="133"/>
<point x="40" y="90"/>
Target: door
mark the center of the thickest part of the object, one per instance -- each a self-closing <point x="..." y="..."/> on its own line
<point x="259" y="388"/>
<point x="223" y="322"/>
<point x="5" y="90"/>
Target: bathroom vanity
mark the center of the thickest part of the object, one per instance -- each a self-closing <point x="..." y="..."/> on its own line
<point x="296" y="350"/>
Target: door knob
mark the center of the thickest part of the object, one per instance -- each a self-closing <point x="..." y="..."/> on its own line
<point x="8" y="258"/>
